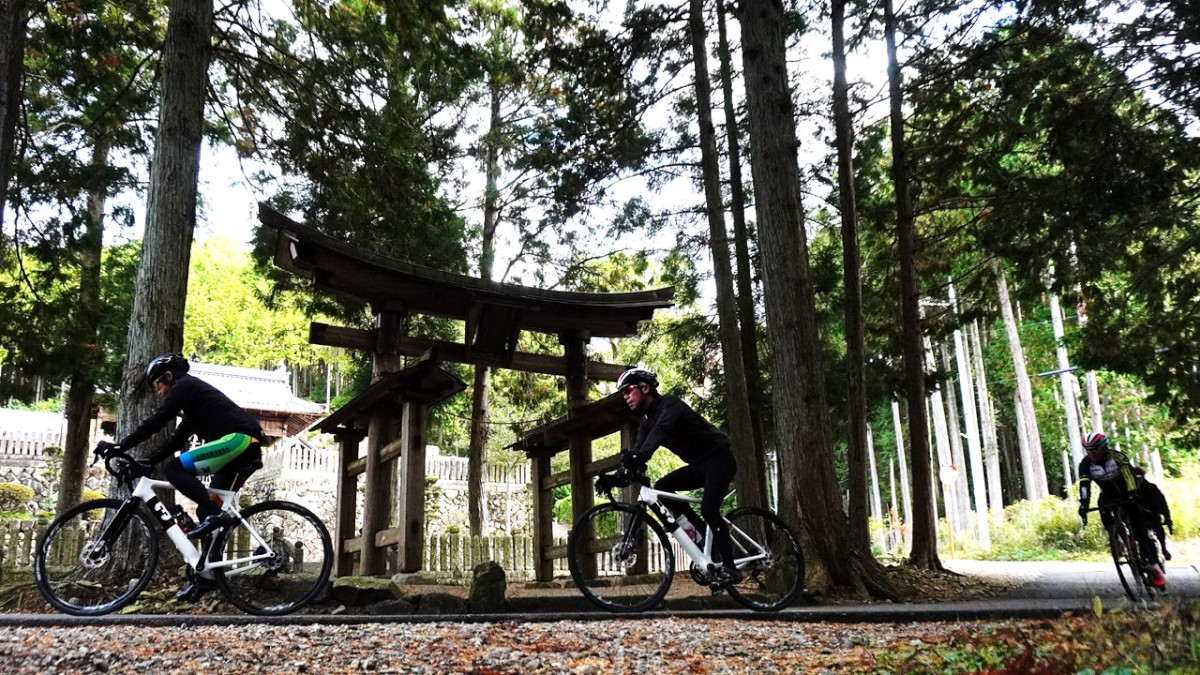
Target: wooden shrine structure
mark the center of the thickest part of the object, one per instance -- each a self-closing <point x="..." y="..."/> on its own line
<point x="392" y="415"/>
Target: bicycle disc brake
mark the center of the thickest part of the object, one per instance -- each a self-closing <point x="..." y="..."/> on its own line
<point x="95" y="554"/>
<point x="624" y="554"/>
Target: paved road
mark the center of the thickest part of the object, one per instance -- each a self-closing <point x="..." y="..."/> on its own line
<point x="1042" y="589"/>
<point x="1074" y="580"/>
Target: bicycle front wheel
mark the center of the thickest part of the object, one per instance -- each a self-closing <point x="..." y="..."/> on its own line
<point x="96" y="557"/>
<point x="769" y="558"/>
<point x="276" y="561"/>
<point x="1129" y="563"/>
<point x="620" y="558"/>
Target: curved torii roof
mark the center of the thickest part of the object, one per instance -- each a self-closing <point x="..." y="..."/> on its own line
<point x="494" y="312"/>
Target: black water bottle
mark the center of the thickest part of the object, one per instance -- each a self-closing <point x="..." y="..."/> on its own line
<point x="182" y="518"/>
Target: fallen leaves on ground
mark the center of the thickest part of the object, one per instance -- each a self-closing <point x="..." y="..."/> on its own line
<point x="1162" y="640"/>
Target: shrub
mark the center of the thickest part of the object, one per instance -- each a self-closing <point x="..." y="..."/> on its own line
<point x="90" y="495"/>
<point x="1046" y="530"/>
<point x="15" y="497"/>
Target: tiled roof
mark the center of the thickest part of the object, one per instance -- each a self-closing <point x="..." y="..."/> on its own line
<point x="266" y="390"/>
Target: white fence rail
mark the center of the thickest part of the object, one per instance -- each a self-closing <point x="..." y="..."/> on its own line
<point x="28" y="443"/>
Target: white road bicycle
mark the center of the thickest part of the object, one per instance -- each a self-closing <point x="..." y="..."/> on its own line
<point x="621" y="558"/>
<point x="269" y="559"/>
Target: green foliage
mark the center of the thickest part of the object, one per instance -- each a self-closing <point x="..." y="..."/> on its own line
<point x="227" y="321"/>
<point x="14" y="496"/>
<point x="1049" y="529"/>
<point x="1046" y="530"/>
<point x="360" y="99"/>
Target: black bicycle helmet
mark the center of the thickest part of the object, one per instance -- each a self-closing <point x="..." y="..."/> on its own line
<point x="166" y="363"/>
<point x="1095" y="441"/>
<point x="636" y="376"/>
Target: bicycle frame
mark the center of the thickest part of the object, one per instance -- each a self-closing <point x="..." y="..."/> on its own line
<point x="653" y="499"/>
<point x="197" y="559"/>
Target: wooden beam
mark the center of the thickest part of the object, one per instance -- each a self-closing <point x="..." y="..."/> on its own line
<point x="357" y="338"/>
<point x="593" y="469"/>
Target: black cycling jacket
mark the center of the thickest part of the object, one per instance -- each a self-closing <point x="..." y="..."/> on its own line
<point x="672" y="424"/>
<point x="207" y="413"/>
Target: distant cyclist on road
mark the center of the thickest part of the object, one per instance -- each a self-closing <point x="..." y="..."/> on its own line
<point x="669" y="422"/>
<point x="1118" y="479"/>
<point x="232" y="442"/>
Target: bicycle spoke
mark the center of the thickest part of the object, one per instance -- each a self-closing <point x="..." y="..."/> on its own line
<point x="618" y="568"/>
<point x="276" y="561"/>
<point x="80" y="572"/>
<point x="769" y="558"/>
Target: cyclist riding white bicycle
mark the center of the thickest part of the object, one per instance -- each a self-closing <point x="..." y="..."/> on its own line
<point x="1117" y="479"/>
<point x="669" y="422"/>
<point x="231" y="450"/>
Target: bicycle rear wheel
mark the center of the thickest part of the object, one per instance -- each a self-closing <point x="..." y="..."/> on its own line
<point x="1130" y="568"/>
<point x="620" y="570"/>
<point x="769" y="558"/>
<point x="96" y="557"/>
<point x="281" y="561"/>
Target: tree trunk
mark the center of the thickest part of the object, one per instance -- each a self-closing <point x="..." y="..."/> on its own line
<point x="974" y="447"/>
<point x="83" y="378"/>
<point x="13" y="19"/>
<point x="477" y="453"/>
<point x="941" y="435"/>
<point x="750" y="478"/>
<point x="480" y="404"/>
<point x="808" y="490"/>
<point x="156" y="320"/>
<point x="741" y="239"/>
<point x="961" y="488"/>
<point x="876" y="499"/>
<point x="987" y="418"/>
<point x="924" y="527"/>
<point x="1031" y="445"/>
<point x="856" y="396"/>
<point x="1066" y="381"/>
<point x="907" y="503"/>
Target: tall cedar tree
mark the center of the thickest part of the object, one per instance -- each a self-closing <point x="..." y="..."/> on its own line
<point x="156" y="324"/>
<point x="808" y="490"/>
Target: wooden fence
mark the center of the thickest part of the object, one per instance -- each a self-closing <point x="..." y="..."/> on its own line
<point x="17" y="541"/>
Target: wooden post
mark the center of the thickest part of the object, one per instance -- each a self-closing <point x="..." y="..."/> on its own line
<point x="377" y="502"/>
<point x="412" y="486"/>
<point x="347" y="494"/>
<point x="543" y="519"/>
<point x="579" y="445"/>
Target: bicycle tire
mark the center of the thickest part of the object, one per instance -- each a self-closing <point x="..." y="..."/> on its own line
<point x="296" y="571"/>
<point x="1129" y="564"/>
<point x="771" y="583"/>
<point x="78" y="572"/>
<point x="602" y="560"/>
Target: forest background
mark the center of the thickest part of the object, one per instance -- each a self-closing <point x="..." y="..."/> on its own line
<point x="851" y="255"/>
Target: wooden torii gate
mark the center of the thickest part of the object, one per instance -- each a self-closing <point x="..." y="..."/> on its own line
<point x="494" y="314"/>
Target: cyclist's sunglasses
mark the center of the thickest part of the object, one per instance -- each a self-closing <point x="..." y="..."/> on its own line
<point x="153" y="384"/>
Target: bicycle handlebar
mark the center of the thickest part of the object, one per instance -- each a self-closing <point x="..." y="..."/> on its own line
<point x="118" y="463"/>
<point x="606" y="483"/>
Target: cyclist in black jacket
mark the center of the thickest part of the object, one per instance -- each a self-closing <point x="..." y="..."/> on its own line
<point x="1118" y="479"/>
<point x="669" y="422"/>
<point x="232" y="442"/>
